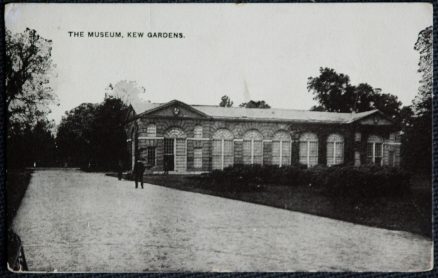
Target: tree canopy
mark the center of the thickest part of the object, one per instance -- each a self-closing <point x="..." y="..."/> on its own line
<point x="255" y="104"/>
<point x="27" y="65"/>
<point x="417" y="140"/>
<point x="334" y="93"/>
<point x="423" y="101"/>
<point x="75" y="134"/>
<point x="27" y="68"/>
<point x="226" y="101"/>
<point x="33" y="144"/>
<point x="93" y="135"/>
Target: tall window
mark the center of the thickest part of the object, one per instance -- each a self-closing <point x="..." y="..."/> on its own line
<point x="197" y="132"/>
<point x="335" y="149"/>
<point x="375" y="150"/>
<point x="281" y="148"/>
<point x="151" y="130"/>
<point x="197" y="162"/>
<point x="151" y="156"/>
<point x="309" y="149"/>
<point x="252" y="147"/>
<point x="223" y="149"/>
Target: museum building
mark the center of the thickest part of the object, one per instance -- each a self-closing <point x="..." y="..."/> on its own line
<point x="176" y="137"/>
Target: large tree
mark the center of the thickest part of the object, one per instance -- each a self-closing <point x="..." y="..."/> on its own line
<point x="92" y="135"/>
<point x="33" y="145"/>
<point x="417" y="140"/>
<point x="334" y="93"/>
<point x="75" y="135"/>
<point x="255" y="104"/>
<point x="109" y="133"/>
<point x="422" y="103"/>
<point x="27" y="66"/>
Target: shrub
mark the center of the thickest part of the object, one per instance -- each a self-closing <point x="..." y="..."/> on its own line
<point x="260" y="174"/>
<point x="343" y="180"/>
<point x="366" y="181"/>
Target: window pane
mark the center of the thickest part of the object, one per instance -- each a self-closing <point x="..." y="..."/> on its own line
<point x="217" y="162"/>
<point x="258" y="152"/>
<point x="313" y="160"/>
<point x="246" y="152"/>
<point x="217" y="154"/>
<point x="303" y="153"/>
<point x="286" y="153"/>
<point x="151" y="156"/>
<point x="217" y="147"/>
<point x="276" y="152"/>
<point x="330" y="151"/>
<point x="313" y="153"/>
<point x="378" y="149"/>
<point x="197" y="163"/>
<point x="228" y="153"/>
<point x="370" y="150"/>
<point x="258" y="148"/>
<point x="313" y="149"/>
<point x="339" y="153"/>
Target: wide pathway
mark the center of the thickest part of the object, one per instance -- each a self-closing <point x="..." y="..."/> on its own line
<point x="75" y="221"/>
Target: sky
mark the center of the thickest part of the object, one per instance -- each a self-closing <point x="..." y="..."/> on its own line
<point x="246" y="51"/>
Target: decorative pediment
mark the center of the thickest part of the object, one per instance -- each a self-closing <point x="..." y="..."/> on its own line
<point x="175" y="109"/>
<point x="375" y="119"/>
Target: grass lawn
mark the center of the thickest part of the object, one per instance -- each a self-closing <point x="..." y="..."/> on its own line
<point x="411" y="212"/>
<point x="17" y="182"/>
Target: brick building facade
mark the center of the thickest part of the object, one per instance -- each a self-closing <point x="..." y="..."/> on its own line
<point x="181" y="138"/>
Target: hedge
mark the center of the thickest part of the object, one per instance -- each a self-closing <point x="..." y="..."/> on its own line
<point x="363" y="181"/>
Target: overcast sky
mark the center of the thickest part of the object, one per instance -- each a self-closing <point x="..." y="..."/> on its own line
<point x="272" y="48"/>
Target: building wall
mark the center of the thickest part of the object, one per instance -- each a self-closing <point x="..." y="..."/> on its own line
<point x="186" y="145"/>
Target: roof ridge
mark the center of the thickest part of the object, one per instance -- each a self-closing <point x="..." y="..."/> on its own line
<point x="273" y="108"/>
<point x="283" y="109"/>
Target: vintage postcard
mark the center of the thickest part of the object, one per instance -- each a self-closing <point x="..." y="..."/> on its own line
<point x="219" y="137"/>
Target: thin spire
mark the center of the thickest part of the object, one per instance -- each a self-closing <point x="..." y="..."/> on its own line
<point x="246" y="94"/>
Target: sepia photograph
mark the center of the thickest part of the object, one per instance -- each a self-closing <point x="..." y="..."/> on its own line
<point x="245" y="137"/>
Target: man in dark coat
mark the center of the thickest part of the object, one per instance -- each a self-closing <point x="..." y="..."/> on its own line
<point x="119" y="169"/>
<point x="138" y="173"/>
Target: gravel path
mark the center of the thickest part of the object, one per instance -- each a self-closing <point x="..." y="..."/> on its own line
<point x="75" y="221"/>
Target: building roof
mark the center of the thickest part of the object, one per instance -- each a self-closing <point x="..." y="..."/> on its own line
<point x="281" y="114"/>
<point x="271" y="114"/>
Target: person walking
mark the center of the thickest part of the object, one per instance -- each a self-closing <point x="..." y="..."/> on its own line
<point x="138" y="173"/>
<point x="119" y="169"/>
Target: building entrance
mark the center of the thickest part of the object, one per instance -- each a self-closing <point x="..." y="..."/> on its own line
<point x="169" y="154"/>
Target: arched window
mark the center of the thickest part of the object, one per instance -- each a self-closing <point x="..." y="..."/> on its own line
<point x="175" y="150"/>
<point x="375" y="149"/>
<point x="335" y="149"/>
<point x="175" y="132"/>
<point x="222" y="149"/>
<point x="281" y="148"/>
<point x="197" y="132"/>
<point x="252" y="147"/>
<point x="151" y="130"/>
<point x="309" y="149"/>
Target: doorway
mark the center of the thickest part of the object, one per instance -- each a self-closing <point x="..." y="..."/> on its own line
<point x="169" y="154"/>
